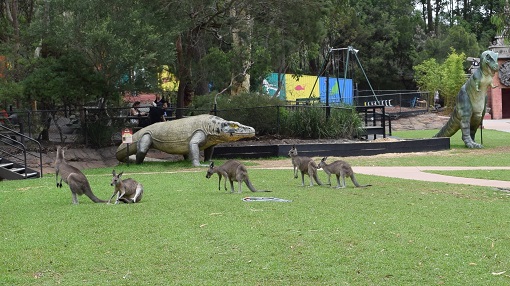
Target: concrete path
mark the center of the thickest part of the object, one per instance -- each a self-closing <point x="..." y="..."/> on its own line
<point x="497" y="124"/>
<point x="418" y="173"/>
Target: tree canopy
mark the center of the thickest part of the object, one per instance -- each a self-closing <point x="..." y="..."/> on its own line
<point x="70" y="51"/>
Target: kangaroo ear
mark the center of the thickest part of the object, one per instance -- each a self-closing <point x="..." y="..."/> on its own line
<point x="120" y="174"/>
<point x="212" y="164"/>
<point x="113" y="173"/>
<point x="324" y="159"/>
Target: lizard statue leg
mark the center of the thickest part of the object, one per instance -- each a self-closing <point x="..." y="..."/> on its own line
<point x="143" y="146"/>
<point x="194" y="149"/>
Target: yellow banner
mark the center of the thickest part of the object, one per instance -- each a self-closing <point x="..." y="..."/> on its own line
<point x="301" y="88"/>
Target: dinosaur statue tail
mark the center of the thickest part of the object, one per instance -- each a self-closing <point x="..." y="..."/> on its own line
<point x="450" y="128"/>
<point x="355" y="182"/>
<point x="251" y="187"/>
<point x="122" y="151"/>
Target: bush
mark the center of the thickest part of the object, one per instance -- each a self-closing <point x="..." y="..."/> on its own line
<point x="256" y="110"/>
<point x="310" y="122"/>
<point x="269" y="116"/>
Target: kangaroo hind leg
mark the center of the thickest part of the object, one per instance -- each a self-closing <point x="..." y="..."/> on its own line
<point x="138" y="192"/>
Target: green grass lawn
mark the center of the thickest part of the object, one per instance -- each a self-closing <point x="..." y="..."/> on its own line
<point x="186" y="232"/>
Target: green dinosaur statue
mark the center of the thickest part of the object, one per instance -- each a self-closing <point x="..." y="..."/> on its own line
<point x="471" y="102"/>
<point x="187" y="136"/>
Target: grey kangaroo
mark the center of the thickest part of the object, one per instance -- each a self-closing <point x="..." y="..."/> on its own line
<point x="304" y="164"/>
<point x="76" y="180"/>
<point x="127" y="190"/>
<point x="232" y="170"/>
<point x="340" y="169"/>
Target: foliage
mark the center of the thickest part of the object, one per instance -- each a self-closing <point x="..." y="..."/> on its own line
<point x="453" y="78"/>
<point x="447" y="77"/>
<point x="269" y="116"/>
<point x="256" y="110"/>
<point x="310" y="122"/>
<point x="428" y="75"/>
<point x="440" y="47"/>
<point x="126" y="45"/>
<point x="66" y="80"/>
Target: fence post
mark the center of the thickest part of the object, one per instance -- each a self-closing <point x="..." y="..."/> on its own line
<point x="278" y="119"/>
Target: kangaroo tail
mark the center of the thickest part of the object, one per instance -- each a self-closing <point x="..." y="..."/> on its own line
<point x="122" y="151"/>
<point x="355" y="182"/>
<point x="451" y="127"/>
<point x="252" y="188"/>
<point x="94" y="198"/>
<point x="317" y="179"/>
<point x="88" y="192"/>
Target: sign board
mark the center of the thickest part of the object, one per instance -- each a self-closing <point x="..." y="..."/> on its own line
<point x="127" y="135"/>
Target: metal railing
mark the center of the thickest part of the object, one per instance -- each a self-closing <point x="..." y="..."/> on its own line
<point x="17" y="150"/>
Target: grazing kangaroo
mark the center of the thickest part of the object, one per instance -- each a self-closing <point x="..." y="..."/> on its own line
<point x="76" y="180"/>
<point x="306" y="165"/>
<point x="340" y="169"/>
<point x="232" y="170"/>
<point x="127" y="190"/>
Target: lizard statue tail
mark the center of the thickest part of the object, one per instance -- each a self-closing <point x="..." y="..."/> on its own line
<point x="122" y="151"/>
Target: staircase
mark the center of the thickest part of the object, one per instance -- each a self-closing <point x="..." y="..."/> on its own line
<point x="13" y="171"/>
<point x="15" y="149"/>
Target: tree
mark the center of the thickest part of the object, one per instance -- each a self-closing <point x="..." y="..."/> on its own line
<point x="453" y="77"/>
<point x="447" y="77"/>
<point x="114" y="40"/>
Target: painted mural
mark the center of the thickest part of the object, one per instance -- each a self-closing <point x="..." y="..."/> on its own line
<point x="340" y="90"/>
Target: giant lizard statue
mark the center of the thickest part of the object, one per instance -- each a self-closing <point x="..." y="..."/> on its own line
<point x="471" y="102"/>
<point x="187" y="136"/>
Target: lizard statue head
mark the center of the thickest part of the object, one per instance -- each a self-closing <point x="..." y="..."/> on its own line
<point x="226" y="130"/>
<point x="489" y="62"/>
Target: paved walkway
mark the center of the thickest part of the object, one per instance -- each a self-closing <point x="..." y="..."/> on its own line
<point x="418" y="173"/>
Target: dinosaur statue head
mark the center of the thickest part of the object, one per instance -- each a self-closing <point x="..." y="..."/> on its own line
<point x="489" y="62"/>
<point x="225" y="130"/>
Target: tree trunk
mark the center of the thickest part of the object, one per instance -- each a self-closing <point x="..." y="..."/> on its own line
<point x="182" y="77"/>
<point x="430" y="21"/>
<point x="242" y="46"/>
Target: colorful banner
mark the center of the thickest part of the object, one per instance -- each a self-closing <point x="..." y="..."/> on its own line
<point x="301" y="87"/>
<point x="270" y="86"/>
<point x="340" y="90"/>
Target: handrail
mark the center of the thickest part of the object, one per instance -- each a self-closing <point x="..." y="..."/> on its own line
<point x="20" y="145"/>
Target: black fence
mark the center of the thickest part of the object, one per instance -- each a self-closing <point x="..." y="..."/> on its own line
<point x="68" y="125"/>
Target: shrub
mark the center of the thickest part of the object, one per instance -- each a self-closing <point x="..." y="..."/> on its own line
<point x="256" y="110"/>
<point x="310" y="122"/>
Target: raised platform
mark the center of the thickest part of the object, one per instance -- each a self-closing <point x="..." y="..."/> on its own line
<point x="338" y="150"/>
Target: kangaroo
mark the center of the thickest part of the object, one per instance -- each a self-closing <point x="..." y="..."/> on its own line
<point x="127" y="190"/>
<point x="340" y="169"/>
<point x="232" y="170"/>
<point x="76" y="180"/>
<point x="306" y="165"/>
